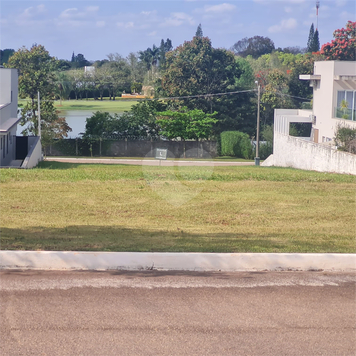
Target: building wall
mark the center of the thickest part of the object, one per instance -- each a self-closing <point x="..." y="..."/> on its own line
<point x="294" y="152"/>
<point x="8" y="93"/>
<point x="325" y="95"/>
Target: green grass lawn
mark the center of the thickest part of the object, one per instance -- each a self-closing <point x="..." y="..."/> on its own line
<point x="117" y="105"/>
<point x="89" y="207"/>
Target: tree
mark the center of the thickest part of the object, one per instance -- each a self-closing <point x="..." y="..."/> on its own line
<point x="199" y="32"/>
<point x="254" y="46"/>
<point x="297" y="87"/>
<point x="310" y="39"/>
<point x="345" y="139"/>
<point x="5" y="55"/>
<point x="165" y="47"/>
<point x="150" y="57"/>
<point x="316" y="42"/>
<point x="197" y="69"/>
<point x="63" y="86"/>
<point x="36" y="74"/>
<point x="343" y="46"/>
<point x="137" y="70"/>
<point x="186" y="124"/>
<point x="79" y="61"/>
<point x="273" y="95"/>
<point x="313" y="44"/>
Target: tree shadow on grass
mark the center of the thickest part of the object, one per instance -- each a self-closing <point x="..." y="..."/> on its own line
<point x="118" y="238"/>
<point x="57" y="165"/>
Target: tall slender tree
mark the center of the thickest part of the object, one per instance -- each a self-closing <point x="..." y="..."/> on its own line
<point x="199" y="32"/>
<point x="310" y="39"/>
<point x="316" y="43"/>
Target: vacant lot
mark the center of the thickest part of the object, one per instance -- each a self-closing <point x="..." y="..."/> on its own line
<point x="62" y="206"/>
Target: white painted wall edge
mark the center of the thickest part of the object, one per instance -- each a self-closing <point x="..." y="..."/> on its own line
<point x="71" y="260"/>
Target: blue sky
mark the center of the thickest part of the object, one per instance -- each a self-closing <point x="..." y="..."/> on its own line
<point x="97" y="28"/>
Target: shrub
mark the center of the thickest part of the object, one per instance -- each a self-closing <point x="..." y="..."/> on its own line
<point x="345" y="139"/>
<point x="236" y="143"/>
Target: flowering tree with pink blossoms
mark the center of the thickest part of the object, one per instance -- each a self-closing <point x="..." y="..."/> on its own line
<point x="343" y="47"/>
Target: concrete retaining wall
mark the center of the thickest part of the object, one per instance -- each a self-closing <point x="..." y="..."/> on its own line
<point x="34" y="154"/>
<point x="52" y="260"/>
<point x="289" y="151"/>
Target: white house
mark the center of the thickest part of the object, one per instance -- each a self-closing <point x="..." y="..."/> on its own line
<point x="15" y="151"/>
<point x="334" y="105"/>
<point x="8" y="115"/>
<point x="333" y="82"/>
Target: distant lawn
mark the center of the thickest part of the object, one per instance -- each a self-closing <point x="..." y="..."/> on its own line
<point x="118" y="105"/>
<point x="90" y="207"/>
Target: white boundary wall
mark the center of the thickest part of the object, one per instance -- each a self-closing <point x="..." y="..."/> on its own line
<point x="35" y="152"/>
<point x="289" y="151"/>
<point x="72" y="260"/>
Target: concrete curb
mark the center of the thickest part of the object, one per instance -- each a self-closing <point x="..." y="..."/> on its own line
<point x="71" y="260"/>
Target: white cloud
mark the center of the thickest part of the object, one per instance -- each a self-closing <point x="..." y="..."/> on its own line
<point x="92" y="8"/>
<point x="31" y="12"/>
<point x="340" y="3"/>
<point x="128" y="24"/>
<point x="75" y="13"/>
<point x="289" y="24"/>
<point x="177" y="19"/>
<point x="148" y="13"/>
<point x="288" y="9"/>
<point x="68" y="13"/>
<point x="100" y="24"/>
<point x="347" y="16"/>
<point x="225" y="7"/>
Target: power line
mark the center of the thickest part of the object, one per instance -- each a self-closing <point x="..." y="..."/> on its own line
<point x="293" y="96"/>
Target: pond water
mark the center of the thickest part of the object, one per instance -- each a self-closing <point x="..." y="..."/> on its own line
<point x="76" y="119"/>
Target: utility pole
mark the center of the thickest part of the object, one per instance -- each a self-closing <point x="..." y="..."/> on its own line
<point x="257" y="158"/>
<point x="39" y="114"/>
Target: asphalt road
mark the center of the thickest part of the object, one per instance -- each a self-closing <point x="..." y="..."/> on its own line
<point x="177" y="313"/>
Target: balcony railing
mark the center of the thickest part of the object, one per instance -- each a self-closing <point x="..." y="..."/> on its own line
<point x="347" y="114"/>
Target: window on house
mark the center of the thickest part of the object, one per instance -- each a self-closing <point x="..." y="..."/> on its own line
<point x="346" y="105"/>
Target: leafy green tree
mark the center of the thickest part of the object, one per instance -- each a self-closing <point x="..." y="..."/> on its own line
<point x="273" y="95"/>
<point x="76" y="79"/>
<point x="254" y="46"/>
<point x="79" y="61"/>
<point x="36" y="74"/>
<point x="186" y="124"/>
<point x="165" y="47"/>
<point x="151" y="58"/>
<point x="5" y="55"/>
<point x="301" y="88"/>
<point x="63" y="86"/>
<point x="137" y="69"/>
<point x="345" y="139"/>
<point x="199" y="32"/>
<point x="196" y="69"/>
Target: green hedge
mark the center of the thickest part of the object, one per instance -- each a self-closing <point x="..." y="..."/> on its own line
<point x="236" y="143"/>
